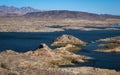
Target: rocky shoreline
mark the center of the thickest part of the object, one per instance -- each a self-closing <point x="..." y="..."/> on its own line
<point x="39" y="28"/>
<point x="45" y="61"/>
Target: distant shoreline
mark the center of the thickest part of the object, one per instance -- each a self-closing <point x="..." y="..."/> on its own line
<point x="22" y="24"/>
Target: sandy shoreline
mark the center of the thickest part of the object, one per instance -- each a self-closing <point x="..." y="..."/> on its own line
<point x="20" y="24"/>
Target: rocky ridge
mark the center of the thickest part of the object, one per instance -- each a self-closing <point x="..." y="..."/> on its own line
<point x="32" y="64"/>
<point x="62" y="14"/>
<point x="67" y="39"/>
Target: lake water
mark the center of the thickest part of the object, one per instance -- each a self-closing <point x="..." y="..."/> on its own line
<point x="24" y="41"/>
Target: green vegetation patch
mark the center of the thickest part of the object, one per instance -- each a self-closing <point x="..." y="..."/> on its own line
<point x="64" y="61"/>
<point x="74" y="49"/>
<point x="64" y="44"/>
<point x="71" y="60"/>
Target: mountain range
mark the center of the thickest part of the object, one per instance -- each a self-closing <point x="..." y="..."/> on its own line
<point x="14" y="11"/>
<point x="56" y="14"/>
<point x="61" y="14"/>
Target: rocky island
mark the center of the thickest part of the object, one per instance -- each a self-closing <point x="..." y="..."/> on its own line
<point x="112" y="47"/>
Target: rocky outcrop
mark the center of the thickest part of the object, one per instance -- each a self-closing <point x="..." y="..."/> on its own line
<point x="42" y="50"/>
<point x="45" y="61"/>
<point x="59" y="55"/>
<point x="112" y="47"/>
<point x="112" y="39"/>
<point x="114" y="50"/>
<point x="14" y="63"/>
<point x="67" y="39"/>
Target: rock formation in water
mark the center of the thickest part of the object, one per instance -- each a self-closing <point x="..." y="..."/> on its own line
<point x="67" y="39"/>
<point x="45" y="61"/>
<point x="114" y="50"/>
<point x="41" y="58"/>
<point x="14" y="63"/>
<point x="44" y="53"/>
<point x="112" y="39"/>
<point x="112" y="47"/>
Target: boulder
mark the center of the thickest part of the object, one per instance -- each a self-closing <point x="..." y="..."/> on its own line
<point x="67" y="39"/>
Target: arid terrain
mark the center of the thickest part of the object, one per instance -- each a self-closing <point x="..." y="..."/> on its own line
<point x="45" y="61"/>
<point x="63" y="60"/>
<point x="112" y="47"/>
<point x="22" y="24"/>
<point x="33" y="20"/>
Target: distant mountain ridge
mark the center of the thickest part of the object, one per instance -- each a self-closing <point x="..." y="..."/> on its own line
<point x="52" y="14"/>
<point x="71" y="14"/>
<point x="14" y="11"/>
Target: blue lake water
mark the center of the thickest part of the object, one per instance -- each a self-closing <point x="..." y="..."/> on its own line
<point x="24" y="41"/>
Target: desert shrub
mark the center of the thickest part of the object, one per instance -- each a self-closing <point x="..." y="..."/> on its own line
<point x="71" y="60"/>
<point x="54" y="64"/>
<point x="74" y="49"/>
<point x="60" y="44"/>
<point x="12" y="73"/>
<point x="65" y="61"/>
<point x="64" y="44"/>
<point x="4" y="65"/>
<point x="112" y="45"/>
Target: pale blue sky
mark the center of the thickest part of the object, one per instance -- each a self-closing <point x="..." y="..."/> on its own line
<point x="94" y="6"/>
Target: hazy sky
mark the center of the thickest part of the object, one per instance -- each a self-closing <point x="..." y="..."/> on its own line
<point x="94" y="6"/>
